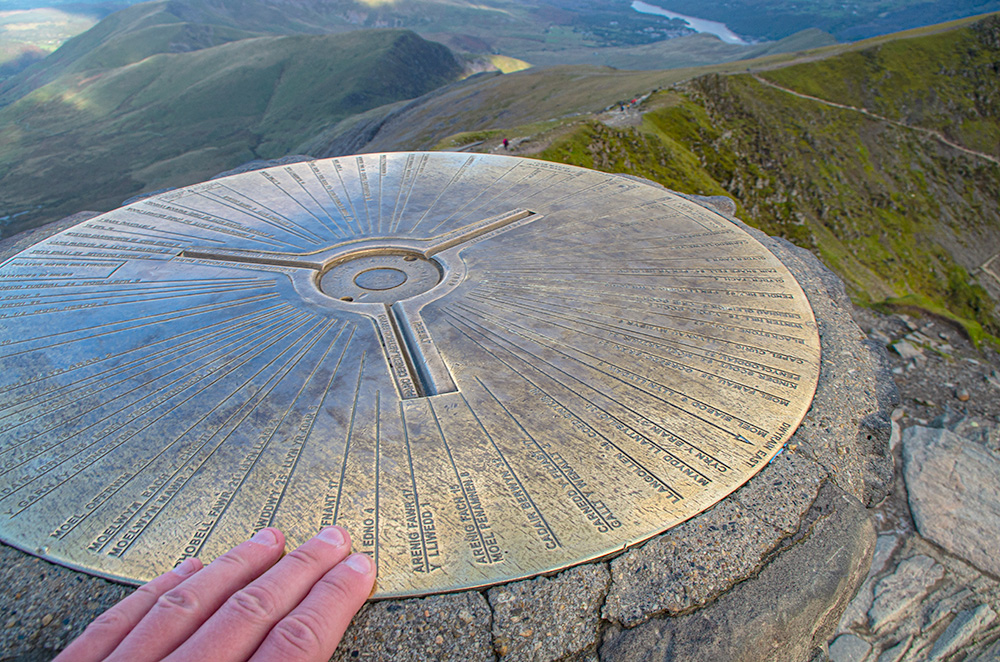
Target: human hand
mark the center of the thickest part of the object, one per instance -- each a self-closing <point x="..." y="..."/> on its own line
<point x="245" y="605"/>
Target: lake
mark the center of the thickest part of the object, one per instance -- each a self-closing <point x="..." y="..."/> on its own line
<point x="697" y="24"/>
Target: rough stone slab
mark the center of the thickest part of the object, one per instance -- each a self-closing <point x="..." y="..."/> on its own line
<point x="440" y="627"/>
<point x="849" y="648"/>
<point x="697" y="560"/>
<point x="784" y="613"/>
<point x="895" y="653"/>
<point x="961" y="631"/>
<point x="991" y="654"/>
<point x="81" y="599"/>
<point x="689" y="564"/>
<point x="856" y="613"/>
<point x="544" y="618"/>
<point x="783" y="491"/>
<point x="947" y="606"/>
<point x="898" y="593"/>
<point x="954" y="494"/>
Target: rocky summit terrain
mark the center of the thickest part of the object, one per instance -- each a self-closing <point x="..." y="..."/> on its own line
<point x="933" y="591"/>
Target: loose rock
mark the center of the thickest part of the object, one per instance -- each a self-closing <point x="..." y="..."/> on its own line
<point x="548" y="618"/>
<point x="848" y="648"/>
<point x="897" y="593"/>
<point x="906" y="350"/>
<point x="954" y="494"/>
<point x="783" y="613"/>
<point x="961" y="631"/>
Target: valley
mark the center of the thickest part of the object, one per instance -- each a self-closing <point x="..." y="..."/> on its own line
<point x="879" y="155"/>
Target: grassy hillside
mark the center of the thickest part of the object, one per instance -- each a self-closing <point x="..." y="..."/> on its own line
<point x="123" y="38"/>
<point x="949" y="82"/>
<point x="904" y="218"/>
<point x="88" y="142"/>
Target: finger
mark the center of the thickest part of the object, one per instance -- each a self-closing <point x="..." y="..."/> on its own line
<point x="236" y="630"/>
<point x="311" y="632"/>
<point x="179" y="612"/>
<point x="107" y="631"/>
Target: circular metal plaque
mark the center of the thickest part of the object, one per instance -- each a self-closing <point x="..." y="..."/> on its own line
<point x="484" y="367"/>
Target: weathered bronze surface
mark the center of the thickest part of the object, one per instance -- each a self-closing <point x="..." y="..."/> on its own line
<point x="484" y="367"/>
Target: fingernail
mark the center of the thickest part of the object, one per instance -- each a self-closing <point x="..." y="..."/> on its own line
<point x="359" y="563"/>
<point x="332" y="535"/>
<point x="187" y="567"/>
<point x="265" y="537"/>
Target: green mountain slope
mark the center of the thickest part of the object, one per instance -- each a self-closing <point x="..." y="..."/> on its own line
<point x="123" y="38"/>
<point x="89" y="141"/>
<point x="904" y="217"/>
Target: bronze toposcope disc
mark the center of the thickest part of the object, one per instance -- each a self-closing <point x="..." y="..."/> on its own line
<point x="484" y="367"/>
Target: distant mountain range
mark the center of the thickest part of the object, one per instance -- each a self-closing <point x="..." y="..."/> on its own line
<point x="881" y="156"/>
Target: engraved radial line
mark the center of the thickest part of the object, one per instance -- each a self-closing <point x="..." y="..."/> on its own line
<point x="378" y="230"/>
<point x="151" y="320"/>
<point x="304" y="232"/>
<point x="34" y="478"/>
<point x="347" y="194"/>
<point x="667" y="402"/>
<point x="277" y="378"/>
<point x="664" y="329"/>
<point x="193" y="425"/>
<point x="256" y="216"/>
<point x="122" y="549"/>
<point x="599" y="222"/>
<point x="322" y="400"/>
<point x="72" y="297"/>
<point x="336" y="229"/>
<point x="135" y="233"/>
<point x="334" y="198"/>
<point x="604" y="396"/>
<point x="126" y="406"/>
<point x="163" y="452"/>
<point x="664" y="484"/>
<point x="200" y="215"/>
<point x="101" y="404"/>
<point x="556" y="283"/>
<point x="454" y="178"/>
<point x="482" y="192"/>
<point x="517" y="479"/>
<point x="365" y="191"/>
<point x="538" y="446"/>
<point x="413" y="483"/>
<point x="418" y="170"/>
<point x="245" y="407"/>
<point x="552" y="347"/>
<point x="347" y="441"/>
<point x="378" y="441"/>
<point x="658" y="313"/>
<point x="458" y="479"/>
<point x="63" y="390"/>
<point x="638" y="337"/>
<point x="497" y="196"/>
<point x="658" y="356"/>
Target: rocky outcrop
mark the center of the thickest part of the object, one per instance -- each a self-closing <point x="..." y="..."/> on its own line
<point x="932" y="592"/>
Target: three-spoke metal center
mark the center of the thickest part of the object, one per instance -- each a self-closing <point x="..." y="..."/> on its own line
<point x="380" y="277"/>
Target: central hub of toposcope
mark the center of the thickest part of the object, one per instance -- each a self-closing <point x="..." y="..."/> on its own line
<point x="382" y="276"/>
